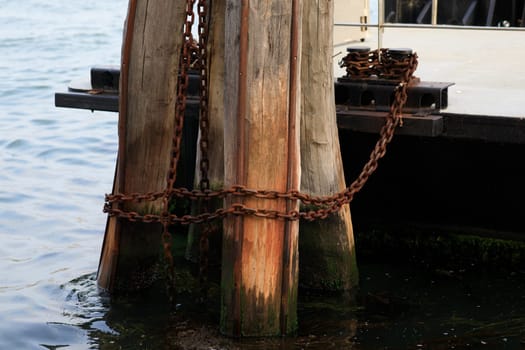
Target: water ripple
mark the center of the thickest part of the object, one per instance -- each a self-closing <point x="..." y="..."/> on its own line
<point x="14" y="198"/>
<point x="55" y="152"/>
<point x="18" y="144"/>
<point x="56" y="166"/>
<point x="44" y="122"/>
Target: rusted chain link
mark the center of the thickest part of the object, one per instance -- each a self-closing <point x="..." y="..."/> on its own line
<point x="204" y="123"/>
<point x="328" y="204"/>
<point x="358" y="63"/>
<point x="180" y="108"/>
<point x="236" y="190"/>
<point x="382" y="64"/>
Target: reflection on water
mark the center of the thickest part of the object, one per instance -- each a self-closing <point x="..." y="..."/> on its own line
<point x="56" y="165"/>
<point x="398" y="307"/>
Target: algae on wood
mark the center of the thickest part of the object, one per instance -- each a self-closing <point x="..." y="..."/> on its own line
<point x="149" y="69"/>
<point x="327" y="247"/>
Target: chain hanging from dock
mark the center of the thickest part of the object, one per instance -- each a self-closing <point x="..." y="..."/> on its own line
<point x="180" y="109"/>
<point x="385" y="64"/>
<point x="327" y="204"/>
<point x="204" y="122"/>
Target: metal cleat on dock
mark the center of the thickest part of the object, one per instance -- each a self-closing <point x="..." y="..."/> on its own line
<point x="372" y="76"/>
<point x="365" y="94"/>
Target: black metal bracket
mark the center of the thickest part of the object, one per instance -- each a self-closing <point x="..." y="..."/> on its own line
<point x="378" y="95"/>
<point x="361" y="106"/>
<point x="101" y="93"/>
<point x="103" y="101"/>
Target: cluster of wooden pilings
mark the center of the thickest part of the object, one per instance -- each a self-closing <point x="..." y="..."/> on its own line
<point x="272" y="126"/>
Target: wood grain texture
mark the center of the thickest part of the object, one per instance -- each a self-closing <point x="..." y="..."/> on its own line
<point x="257" y="154"/>
<point x="327" y="248"/>
<point x="146" y="122"/>
<point x="232" y="245"/>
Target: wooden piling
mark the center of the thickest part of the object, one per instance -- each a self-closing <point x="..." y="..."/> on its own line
<point x="260" y="258"/>
<point x="326" y="246"/>
<point x="150" y="63"/>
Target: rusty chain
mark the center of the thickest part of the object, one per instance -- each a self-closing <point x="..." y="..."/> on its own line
<point x="384" y="64"/>
<point x="358" y="63"/>
<point x="395" y="67"/>
<point x="204" y="122"/>
<point x="180" y="108"/>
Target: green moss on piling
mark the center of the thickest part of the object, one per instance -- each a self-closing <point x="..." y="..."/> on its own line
<point x="327" y="260"/>
<point x="451" y="250"/>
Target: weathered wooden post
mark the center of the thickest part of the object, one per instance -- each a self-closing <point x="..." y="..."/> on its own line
<point x="326" y="246"/>
<point x="262" y="96"/>
<point x="150" y="63"/>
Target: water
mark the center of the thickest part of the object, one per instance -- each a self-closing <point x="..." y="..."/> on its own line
<point x="56" y="164"/>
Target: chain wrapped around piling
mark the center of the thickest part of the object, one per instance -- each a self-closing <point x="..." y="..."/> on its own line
<point x="327" y="204"/>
